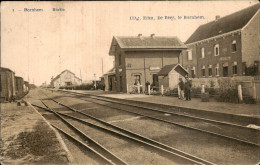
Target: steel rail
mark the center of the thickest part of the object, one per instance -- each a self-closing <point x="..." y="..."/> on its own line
<point x="161" y="111"/>
<point x="103" y="159"/>
<point x="101" y="150"/>
<point x="140" y="137"/>
<point x="189" y="160"/>
<point x="174" y="123"/>
<point x="197" y="129"/>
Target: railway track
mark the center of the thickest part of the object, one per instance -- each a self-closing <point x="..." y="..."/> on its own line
<point x="103" y="155"/>
<point x="113" y="105"/>
<point x="177" y="156"/>
<point x="226" y="130"/>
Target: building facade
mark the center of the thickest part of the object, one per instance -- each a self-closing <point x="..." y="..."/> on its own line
<point x="225" y="47"/>
<point x="138" y="59"/>
<point x="65" y="78"/>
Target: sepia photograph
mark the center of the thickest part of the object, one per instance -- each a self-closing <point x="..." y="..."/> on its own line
<point x="130" y="82"/>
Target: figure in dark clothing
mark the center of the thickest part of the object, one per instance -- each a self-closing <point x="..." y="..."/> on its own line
<point x="187" y="87"/>
<point x="146" y="85"/>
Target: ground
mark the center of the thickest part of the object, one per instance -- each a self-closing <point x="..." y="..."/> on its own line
<point x="22" y="139"/>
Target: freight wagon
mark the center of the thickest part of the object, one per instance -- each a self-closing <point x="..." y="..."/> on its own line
<point x="7" y="87"/>
<point x="19" y="86"/>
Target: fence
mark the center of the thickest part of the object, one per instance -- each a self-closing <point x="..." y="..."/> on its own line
<point x="246" y="87"/>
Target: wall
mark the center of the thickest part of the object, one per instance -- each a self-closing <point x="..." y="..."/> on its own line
<point x="147" y="63"/>
<point x="189" y="64"/>
<point x="66" y="77"/>
<point x="251" y="41"/>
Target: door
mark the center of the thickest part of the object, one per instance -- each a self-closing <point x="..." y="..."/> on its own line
<point x="225" y="71"/>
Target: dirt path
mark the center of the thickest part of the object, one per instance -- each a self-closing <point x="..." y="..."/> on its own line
<point x="26" y="138"/>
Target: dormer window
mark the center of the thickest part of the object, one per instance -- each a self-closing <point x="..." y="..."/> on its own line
<point x="234" y="46"/>
<point x="216" y="50"/>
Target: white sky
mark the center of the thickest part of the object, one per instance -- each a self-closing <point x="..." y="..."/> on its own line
<point x="42" y="44"/>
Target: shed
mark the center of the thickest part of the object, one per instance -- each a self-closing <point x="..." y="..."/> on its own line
<point x="169" y="75"/>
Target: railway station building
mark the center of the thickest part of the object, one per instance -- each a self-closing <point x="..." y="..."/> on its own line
<point x="225" y="47"/>
<point x="140" y="58"/>
<point x="65" y="79"/>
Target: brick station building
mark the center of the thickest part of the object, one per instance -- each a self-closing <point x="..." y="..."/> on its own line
<point x="140" y="58"/>
<point x="225" y="47"/>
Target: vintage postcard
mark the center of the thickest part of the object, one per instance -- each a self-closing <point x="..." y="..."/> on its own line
<point x="130" y="82"/>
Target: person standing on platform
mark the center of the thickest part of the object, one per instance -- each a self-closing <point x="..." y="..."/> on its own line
<point x="146" y="86"/>
<point x="181" y="88"/>
<point x="187" y="87"/>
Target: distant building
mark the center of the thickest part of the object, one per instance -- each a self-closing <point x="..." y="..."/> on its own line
<point x="227" y="46"/>
<point x="140" y="58"/>
<point x="65" y="78"/>
<point x="109" y="80"/>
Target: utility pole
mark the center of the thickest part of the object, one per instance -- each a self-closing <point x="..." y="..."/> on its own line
<point x="102" y="67"/>
<point x="95" y="84"/>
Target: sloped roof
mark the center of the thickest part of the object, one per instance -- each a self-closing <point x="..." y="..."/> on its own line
<point x="110" y="72"/>
<point x="2" y="68"/>
<point x="146" y="42"/>
<point x="58" y="76"/>
<point x="224" y="25"/>
<point x="167" y="68"/>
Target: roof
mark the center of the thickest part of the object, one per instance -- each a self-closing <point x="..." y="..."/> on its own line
<point x="110" y="72"/>
<point x="7" y="69"/>
<point x="58" y="76"/>
<point x="224" y="25"/>
<point x="167" y="68"/>
<point x="146" y="42"/>
<point x="18" y="77"/>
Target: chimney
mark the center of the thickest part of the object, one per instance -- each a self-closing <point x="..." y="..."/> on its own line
<point x="217" y="17"/>
<point x="152" y="35"/>
<point x="139" y="35"/>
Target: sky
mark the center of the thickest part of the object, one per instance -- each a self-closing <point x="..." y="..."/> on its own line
<point x="37" y="45"/>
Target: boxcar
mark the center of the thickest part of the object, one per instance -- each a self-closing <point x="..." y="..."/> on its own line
<point x="7" y="89"/>
<point x="26" y="86"/>
<point x="19" y="86"/>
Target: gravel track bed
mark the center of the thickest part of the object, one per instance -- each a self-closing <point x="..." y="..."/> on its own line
<point x="80" y="154"/>
<point x="129" y="151"/>
<point x="247" y="134"/>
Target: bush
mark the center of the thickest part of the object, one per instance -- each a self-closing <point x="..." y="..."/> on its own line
<point x="84" y="87"/>
<point x="227" y="95"/>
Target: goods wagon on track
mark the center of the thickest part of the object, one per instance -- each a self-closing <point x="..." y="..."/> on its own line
<point x="7" y="87"/>
<point x="19" y="86"/>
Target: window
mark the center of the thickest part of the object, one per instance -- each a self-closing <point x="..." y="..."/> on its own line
<point x="234" y="46"/>
<point x="235" y="67"/>
<point x="210" y="70"/>
<point x="193" y="72"/>
<point x="225" y="69"/>
<point x="202" y="53"/>
<point x="203" y="71"/>
<point x="137" y="79"/>
<point x="189" y="54"/>
<point x="217" y="69"/>
<point x="119" y="59"/>
<point x="216" y="50"/>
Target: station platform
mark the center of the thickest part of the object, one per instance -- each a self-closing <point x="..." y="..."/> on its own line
<point x="251" y="110"/>
<point x="247" y="110"/>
